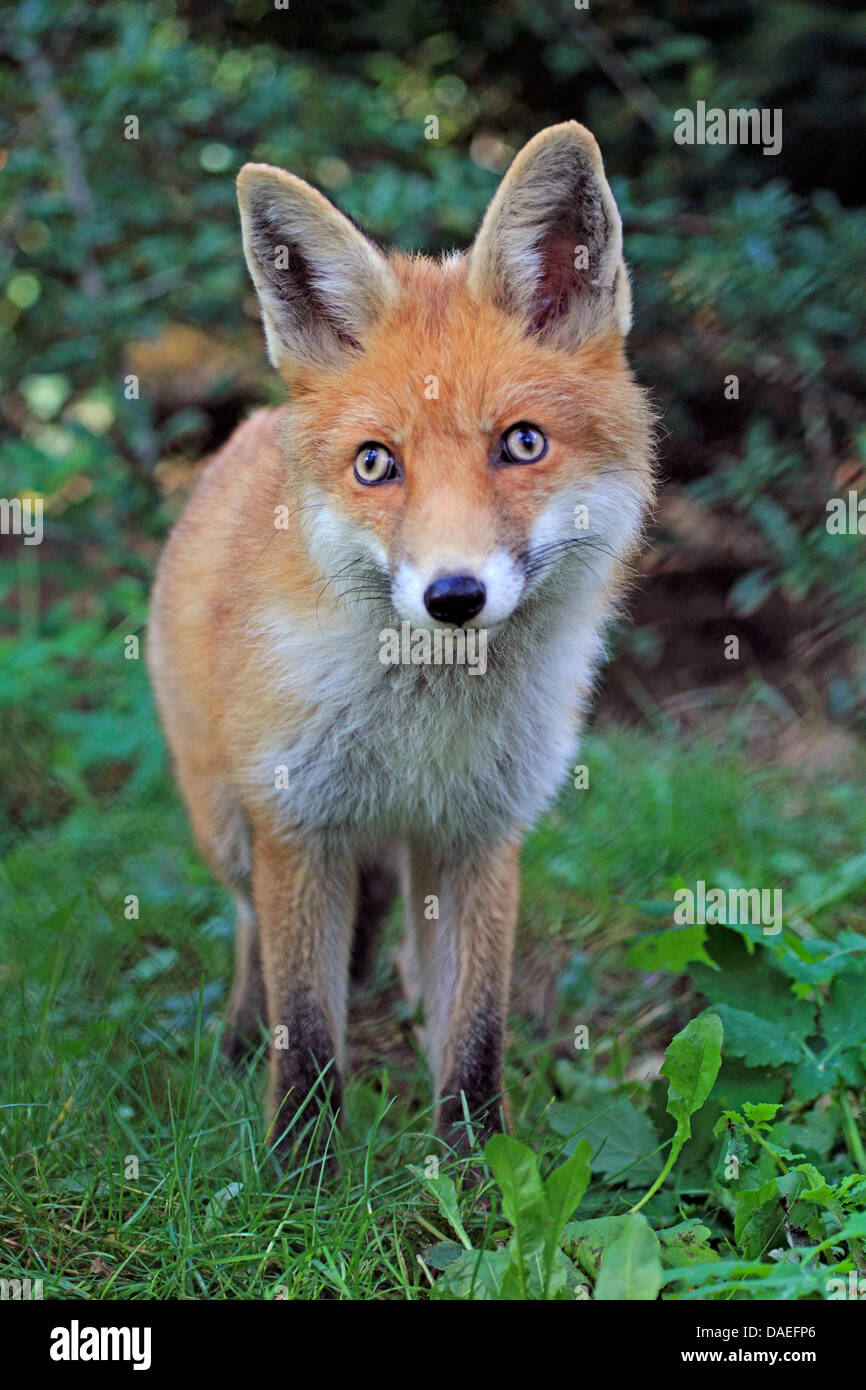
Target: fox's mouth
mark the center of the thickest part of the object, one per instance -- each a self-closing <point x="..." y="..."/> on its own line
<point x="481" y="595"/>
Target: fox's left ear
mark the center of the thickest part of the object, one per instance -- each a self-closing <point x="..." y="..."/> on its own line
<point x="550" y="247"/>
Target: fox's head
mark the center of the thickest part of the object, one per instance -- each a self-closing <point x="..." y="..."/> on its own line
<point x="468" y="430"/>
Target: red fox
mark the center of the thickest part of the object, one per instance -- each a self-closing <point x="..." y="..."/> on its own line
<point x="465" y="452"/>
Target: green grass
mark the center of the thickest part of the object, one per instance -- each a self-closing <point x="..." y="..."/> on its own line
<point x="133" y="1166"/>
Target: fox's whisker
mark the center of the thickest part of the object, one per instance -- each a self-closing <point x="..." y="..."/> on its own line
<point x="540" y="560"/>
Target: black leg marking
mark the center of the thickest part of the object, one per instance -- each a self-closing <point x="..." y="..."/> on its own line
<point x="475" y="1081"/>
<point x="305" y="1075"/>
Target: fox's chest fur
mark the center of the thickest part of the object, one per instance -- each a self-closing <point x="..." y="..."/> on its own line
<point x="424" y="750"/>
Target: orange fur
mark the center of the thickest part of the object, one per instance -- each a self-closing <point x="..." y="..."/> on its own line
<point x="436" y="362"/>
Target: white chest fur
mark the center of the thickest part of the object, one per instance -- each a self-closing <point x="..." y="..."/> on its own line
<point x="430" y="751"/>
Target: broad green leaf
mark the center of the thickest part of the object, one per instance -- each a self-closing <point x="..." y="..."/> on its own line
<point x="475" y="1276"/>
<point x="621" y="1137"/>
<point x="817" y="1075"/>
<point x="760" y="1114"/>
<point x="852" y="1189"/>
<point x="517" y="1279"/>
<point x="564" y="1187"/>
<point x="763" y="1215"/>
<point x="761" y="1042"/>
<point x="586" y="1241"/>
<point x="843" y="1018"/>
<point x="815" y="1132"/>
<point x="672" y="949"/>
<point x="691" y="1065"/>
<point x="749" y="1201"/>
<point x="749" y="982"/>
<point x="817" y="1188"/>
<point x="442" y="1254"/>
<point x="631" y="1268"/>
<point x="555" y="1279"/>
<point x="736" y="1083"/>
<point x="854" y="1228"/>
<point x="817" y="961"/>
<point x="687" y="1243"/>
<point x="563" y="1190"/>
<point x="523" y="1202"/>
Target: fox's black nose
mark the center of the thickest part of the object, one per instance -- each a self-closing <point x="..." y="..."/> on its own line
<point x="455" y="598"/>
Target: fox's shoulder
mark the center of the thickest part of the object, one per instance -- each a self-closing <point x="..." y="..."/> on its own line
<point x="239" y="485"/>
<point x="223" y="540"/>
<point x="254" y="443"/>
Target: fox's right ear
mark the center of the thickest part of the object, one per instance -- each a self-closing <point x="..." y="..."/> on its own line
<point x="549" y="250"/>
<point x="321" y="283"/>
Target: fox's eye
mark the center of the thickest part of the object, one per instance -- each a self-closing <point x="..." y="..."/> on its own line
<point x="375" y="464"/>
<point x="523" y="443"/>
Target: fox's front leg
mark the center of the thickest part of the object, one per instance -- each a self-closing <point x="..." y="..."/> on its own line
<point x="304" y="896"/>
<point x="463" y="914"/>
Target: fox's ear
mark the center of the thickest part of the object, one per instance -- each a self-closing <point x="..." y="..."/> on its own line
<point x="550" y="247"/>
<point x="321" y="283"/>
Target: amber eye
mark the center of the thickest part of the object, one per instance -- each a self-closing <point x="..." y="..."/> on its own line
<point x="375" y="464"/>
<point x="523" y="443"/>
